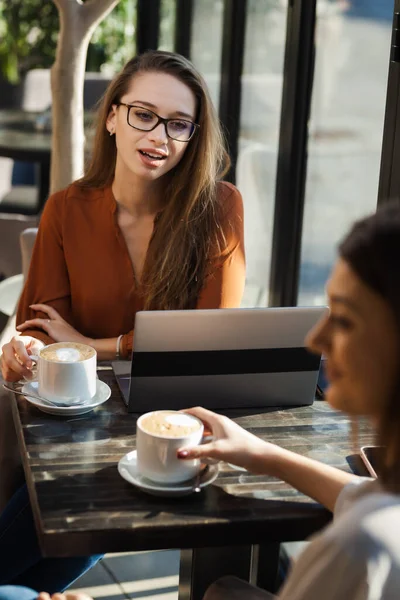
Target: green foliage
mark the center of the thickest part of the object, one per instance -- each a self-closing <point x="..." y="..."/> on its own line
<point x="29" y="31"/>
<point x="113" y="43"/>
<point x="28" y="36"/>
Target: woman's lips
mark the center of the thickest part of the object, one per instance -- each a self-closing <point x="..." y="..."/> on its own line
<point x="149" y="160"/>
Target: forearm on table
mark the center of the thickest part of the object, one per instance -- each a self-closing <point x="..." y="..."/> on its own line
<point x="106" y="348"/>
<point x="112" y="348"/>
<point x="311" y="477"/>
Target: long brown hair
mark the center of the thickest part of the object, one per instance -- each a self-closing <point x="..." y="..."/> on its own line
<point x="372" y="249"/>
<point x="187" y="232"/>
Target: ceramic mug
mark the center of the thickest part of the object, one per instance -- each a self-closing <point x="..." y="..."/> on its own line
<point x="157" y="447"/>
<point x="66" y="372"/>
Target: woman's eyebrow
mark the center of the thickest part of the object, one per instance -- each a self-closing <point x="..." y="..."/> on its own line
<point x="338" y="299"/>
<point x="155" y="108"/>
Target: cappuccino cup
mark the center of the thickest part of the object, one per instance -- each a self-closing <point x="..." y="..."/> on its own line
<point x="66" y="372"/>
<point x="159" y="435"/>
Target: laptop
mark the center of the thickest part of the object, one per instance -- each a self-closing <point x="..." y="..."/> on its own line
<point x="219" y="359"/>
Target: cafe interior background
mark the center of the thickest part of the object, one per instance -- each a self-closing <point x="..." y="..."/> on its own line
<point x="307" y="91"/>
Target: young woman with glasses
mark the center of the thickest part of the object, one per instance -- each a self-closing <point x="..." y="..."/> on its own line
<point x="150" y="226"/>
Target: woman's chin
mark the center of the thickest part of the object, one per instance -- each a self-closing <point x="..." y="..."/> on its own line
<point x="334" y="398"/>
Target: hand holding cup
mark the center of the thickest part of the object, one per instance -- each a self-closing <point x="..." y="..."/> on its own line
<point x="231" y="443"/>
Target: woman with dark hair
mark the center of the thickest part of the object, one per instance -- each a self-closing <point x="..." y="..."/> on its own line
<point x="358" y="556"/>
<point x="150" y="226"/>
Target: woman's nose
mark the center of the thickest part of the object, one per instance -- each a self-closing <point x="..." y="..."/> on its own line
<point x="159" y="133"/>
<point x="317" y="339"/>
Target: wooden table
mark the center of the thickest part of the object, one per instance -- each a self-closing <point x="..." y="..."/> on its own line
<point x="82" y="505"/>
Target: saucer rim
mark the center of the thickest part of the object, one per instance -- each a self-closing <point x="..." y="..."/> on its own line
<point x="176" y="489"/>
<point x="68" y="409"/>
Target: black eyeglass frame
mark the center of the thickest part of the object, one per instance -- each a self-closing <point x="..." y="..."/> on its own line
<point x="159" y="120"/>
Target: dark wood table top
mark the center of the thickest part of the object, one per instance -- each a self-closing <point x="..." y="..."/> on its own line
<point x="82" y="505"/>
<point x="20" y="139"/>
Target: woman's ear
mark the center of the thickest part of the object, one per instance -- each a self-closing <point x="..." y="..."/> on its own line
<point x="111" y="120"/>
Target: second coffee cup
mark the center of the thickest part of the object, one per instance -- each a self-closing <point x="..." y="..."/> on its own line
<point x="66" y="372"/>
<point x="159" y="435"/>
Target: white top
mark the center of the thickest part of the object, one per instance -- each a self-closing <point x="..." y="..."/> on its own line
<point x="357" y="557"/>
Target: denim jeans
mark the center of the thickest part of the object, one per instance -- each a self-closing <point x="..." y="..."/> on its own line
<point x="16" y="592"/>
<point x="21" y="562"/>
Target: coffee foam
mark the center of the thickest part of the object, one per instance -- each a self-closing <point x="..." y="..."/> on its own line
<point x="67" y="352"/>
<point x="170" y="424"/>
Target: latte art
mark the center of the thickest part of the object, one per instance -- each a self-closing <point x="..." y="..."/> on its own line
<point x="170" y="424"/>
<point x="67" y="352"/>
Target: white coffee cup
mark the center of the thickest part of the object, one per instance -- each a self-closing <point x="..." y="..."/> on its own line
<point x="66" y="372"/>
<point x="157" y="449"/>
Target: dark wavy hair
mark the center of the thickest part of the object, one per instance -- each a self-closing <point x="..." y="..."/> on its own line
<point x="372" y="249"/>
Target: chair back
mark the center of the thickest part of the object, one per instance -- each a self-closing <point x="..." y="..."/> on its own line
<point x="27" y="241"/>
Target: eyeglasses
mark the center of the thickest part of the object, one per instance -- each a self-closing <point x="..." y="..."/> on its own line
<point x="144" y="119"/>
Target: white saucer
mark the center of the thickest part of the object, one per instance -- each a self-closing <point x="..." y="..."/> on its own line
<point x="103" y="392"/>
<point x="127" y="468"/>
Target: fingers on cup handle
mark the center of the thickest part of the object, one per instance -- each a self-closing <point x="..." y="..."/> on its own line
<point x="207" y="439"/>
<point x="20" y="351"/>
<point x="12" y="365"/>
<point x="190" y="453"/>
<point x="197" y="452"/>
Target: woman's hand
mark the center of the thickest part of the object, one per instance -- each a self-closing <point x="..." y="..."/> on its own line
<point x="232" y="444"/>
<point x="55" y="326"/>
<point x="15" y="361"/>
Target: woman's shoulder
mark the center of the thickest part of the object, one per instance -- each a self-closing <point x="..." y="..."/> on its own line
<point x="75" y="191"/>
<point x="227" y="192"/>
<point x="341" y="561"/>
<point x="368" y="524"/>
<point x="74" y="199"/>
<point x="230" y="201"/>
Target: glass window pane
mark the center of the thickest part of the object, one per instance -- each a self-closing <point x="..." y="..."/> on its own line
<point x="167" y="25"/>
<point x="347" y="115"/>
<point x="259" y="135"/>
<point x="206" y="43"/>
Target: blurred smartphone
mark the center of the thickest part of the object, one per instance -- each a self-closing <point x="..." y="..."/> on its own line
<point x="371" y="456"/>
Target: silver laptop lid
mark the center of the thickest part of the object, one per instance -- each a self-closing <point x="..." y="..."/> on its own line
<point x="225" y="358"/>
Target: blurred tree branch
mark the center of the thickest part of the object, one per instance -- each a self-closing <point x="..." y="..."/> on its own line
<point x="78" y="21"/>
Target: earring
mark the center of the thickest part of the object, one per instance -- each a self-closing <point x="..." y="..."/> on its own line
<point x="111" y="132"/>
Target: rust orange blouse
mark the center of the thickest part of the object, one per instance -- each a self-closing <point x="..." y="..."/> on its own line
<point x="81" y="266"/>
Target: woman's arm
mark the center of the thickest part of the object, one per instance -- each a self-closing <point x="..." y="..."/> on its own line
<point x="106" y="348"/>
<point x="57" y="329"/>
<point x="48" y="281"/>
<point x="311" y="477"/>
<point x="235" y="445"/>
<point x="45" y="312"/>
